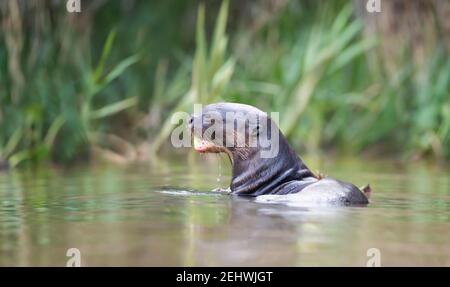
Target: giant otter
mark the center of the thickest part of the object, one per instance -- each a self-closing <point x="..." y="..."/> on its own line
<point x="256" y="170"/>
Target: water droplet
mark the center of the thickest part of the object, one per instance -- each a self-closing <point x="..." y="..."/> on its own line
<point x="220" y="170"/>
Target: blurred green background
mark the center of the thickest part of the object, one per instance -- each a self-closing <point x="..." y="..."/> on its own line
<point x="103" y="83"/>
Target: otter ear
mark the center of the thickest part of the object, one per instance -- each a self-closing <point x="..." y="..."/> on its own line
<point x="254" y="129"/>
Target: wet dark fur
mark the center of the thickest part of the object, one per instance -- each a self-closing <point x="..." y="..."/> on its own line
<point x="286" y="173"/>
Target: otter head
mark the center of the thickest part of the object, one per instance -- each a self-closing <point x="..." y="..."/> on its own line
<point x="260" y="155"/>
<point x="234" y="129"/>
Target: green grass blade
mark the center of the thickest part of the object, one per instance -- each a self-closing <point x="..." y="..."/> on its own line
<point x="13" y="142"/>
<point x="114" y="108"/>
<point x="120" y="68"/>
<point x="105" y="53"/>
<point x="53" y="131"/>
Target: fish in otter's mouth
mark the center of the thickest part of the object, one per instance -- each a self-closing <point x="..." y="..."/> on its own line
<point x="262" y="160"/>
<point x="204" y="146"/>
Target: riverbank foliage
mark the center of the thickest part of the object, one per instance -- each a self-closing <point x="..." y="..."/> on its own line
<point x="105" y="81"/>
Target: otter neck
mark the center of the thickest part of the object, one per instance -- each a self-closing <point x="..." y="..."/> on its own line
<point x="254" y="175"/>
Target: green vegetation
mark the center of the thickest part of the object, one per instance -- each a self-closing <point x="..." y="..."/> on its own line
<point x="211" y="72"/>
<point x="107" y="80"/>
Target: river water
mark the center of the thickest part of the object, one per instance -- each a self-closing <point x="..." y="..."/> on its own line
<point x="164" y="213"/>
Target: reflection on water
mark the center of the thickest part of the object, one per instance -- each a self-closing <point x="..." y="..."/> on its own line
<point x="165" y="213"/>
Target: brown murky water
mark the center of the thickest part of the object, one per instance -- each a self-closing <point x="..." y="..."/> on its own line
<point x="164" y="214"/>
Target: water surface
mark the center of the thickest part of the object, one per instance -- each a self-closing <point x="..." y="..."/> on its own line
<point x="165" y="214"/>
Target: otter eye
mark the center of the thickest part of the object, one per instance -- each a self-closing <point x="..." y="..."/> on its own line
<point x="254" y="130"/>
<point x="207" y="119"/>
